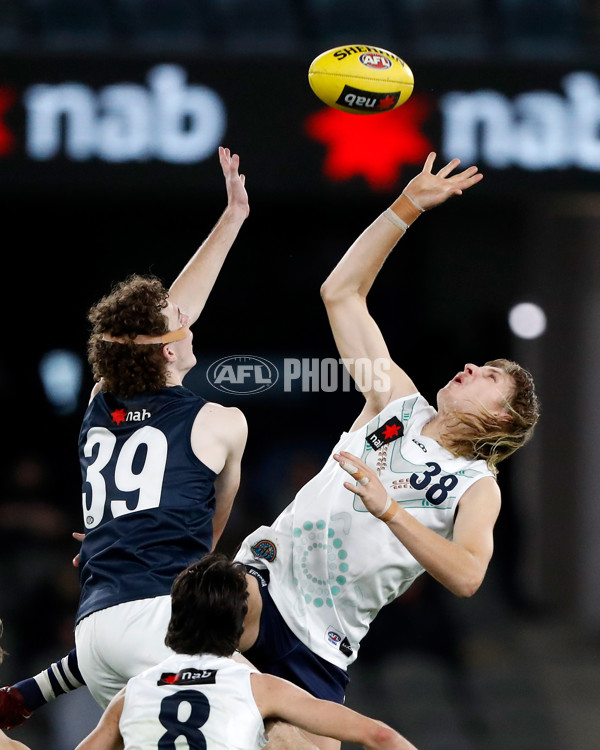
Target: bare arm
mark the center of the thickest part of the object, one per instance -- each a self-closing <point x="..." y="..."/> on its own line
<point x="106" y="736"/>
<point x="461" y="564"/>
<point x="8" y="744"/>
<point x="219" y="438"/>
<point x="345" y="290"/>
<point x="277" y="698"/>
<point x="191" y="288"/>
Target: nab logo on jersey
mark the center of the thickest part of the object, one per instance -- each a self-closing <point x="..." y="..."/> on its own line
<point x="189" y="676"/>
<point x="391" y="430"/>
<point x="120" y="415"/>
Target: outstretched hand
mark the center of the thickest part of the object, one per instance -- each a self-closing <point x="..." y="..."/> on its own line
<point x="237" y="197"/>
<point x="369" y="488"/>
<point x="428" y="190"/>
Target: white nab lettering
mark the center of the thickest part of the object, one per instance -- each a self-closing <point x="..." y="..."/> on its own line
<point x="536" y="130"/>
<point x="167" y="120"/>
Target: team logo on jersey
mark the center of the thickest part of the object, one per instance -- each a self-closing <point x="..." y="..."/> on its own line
<point x="139" y="415"/>
<point x="391" y="430"/>
<point x="264" y="550"/>
<point x="189" y="676"/>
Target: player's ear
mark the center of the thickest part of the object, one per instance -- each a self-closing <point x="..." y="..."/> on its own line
<point x="169" y="353"/>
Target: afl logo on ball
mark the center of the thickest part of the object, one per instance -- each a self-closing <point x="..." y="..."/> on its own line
<point x="377" y="62"/>
<point x="264" y="550"/>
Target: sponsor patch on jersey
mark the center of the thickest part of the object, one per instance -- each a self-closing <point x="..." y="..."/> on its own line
<point x="333" y="637"/>
<point x="264" y="550"/>
<point x="391" y="430"/>
<point x="119" y="416"/>
<point x="338" y="640"/>
<point x="189" y="676"/>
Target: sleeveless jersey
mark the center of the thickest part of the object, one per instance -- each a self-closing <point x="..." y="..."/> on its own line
<point x="205" y="700"/>
<point x="332" y="564"/>
<point x="148" y="501"/>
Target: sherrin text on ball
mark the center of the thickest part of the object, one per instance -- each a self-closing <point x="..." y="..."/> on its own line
<point x="361" y="79"/>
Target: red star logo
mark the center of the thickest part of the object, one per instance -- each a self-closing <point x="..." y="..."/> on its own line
<point x="375" y="147"/>
<point x="391" y="431"/>
<point x="118" y="415"/>
<point x="170" y="679"/>
<point x="387" y="102"/>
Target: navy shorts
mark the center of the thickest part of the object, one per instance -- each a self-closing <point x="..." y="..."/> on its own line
<point x="279" y="652"/>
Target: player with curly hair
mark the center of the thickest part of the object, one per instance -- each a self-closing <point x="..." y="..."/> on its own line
<point x="160" y="470"/>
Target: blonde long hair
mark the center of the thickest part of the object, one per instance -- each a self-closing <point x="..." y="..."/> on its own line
<point x="492" y="438"/>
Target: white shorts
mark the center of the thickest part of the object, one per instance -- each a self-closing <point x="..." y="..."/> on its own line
<point x="119" y="642"/>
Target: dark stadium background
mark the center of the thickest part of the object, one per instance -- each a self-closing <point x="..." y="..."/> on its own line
<point x="517" y="666"/>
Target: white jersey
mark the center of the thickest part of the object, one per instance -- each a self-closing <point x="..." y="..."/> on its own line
<point x="332" y="564"/>
<point x="206" y="701"/>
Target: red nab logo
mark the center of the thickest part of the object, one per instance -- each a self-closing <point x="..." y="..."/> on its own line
<point x="377" y="62"/>
<point x="189" y="676"/>
<point x="118" y="416"/>
<point x="390" y="430"/>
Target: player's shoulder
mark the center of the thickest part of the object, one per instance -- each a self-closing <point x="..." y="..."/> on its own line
<point x="486" y="489"/>
<point x="212" y="410"/>
<point x="221" y="419"/>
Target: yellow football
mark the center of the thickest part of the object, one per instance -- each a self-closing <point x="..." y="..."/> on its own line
<point x="361" y="79"/>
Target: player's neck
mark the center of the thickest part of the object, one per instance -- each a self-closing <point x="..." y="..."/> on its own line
<point x="432" y="429"/>
<point x="173" y="379"/>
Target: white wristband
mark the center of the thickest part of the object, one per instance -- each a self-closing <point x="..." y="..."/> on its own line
<point x="386" y="507"/>
<point x="395" y="219"/>
<point x="390" y="510"/>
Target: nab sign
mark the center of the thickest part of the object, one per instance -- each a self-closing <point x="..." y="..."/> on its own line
<point x="168" y="120"/>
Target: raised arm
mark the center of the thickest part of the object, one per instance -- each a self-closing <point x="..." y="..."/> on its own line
<point x="281" y="699"/>
<point x="344" y="292"/>
<point x="191" y="288"/>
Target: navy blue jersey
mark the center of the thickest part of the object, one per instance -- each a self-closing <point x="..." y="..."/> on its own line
<point x="148" y="501"/>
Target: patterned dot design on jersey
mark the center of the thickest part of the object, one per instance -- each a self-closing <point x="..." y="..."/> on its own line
<point x="316" y="546"/>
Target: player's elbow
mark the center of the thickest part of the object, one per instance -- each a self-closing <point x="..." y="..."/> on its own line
<point x="329" y="292"/>
<point x="468" y="585"/>
<point x="333" y="293"/>
<point x="379" y="736"/>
